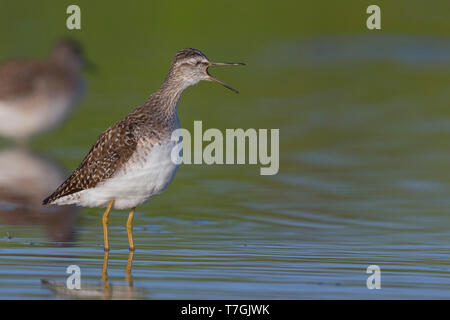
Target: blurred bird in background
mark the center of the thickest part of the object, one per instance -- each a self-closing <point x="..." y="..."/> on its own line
<point x="37" y="95"/>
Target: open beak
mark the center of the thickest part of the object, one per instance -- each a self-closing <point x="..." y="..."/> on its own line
<point x="223" y="64"/>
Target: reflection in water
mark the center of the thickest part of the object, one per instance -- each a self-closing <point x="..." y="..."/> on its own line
<point x="105" y="290"/>
<point x="25" y="179"/>
<point x="128" y="269"/>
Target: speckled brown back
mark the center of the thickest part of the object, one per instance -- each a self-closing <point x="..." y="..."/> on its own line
<point x="112" y="149"/>
<point x="22" y="79"/>
<point x="17" y="78"/>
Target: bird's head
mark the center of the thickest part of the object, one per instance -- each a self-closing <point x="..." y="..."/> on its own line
<point x="69" y="53"/>
<point x="191" y="66"/>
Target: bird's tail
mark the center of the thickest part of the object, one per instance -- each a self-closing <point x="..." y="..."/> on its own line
<point x="47" y="200"/>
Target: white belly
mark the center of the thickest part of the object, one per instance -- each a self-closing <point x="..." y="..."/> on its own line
<point x="20" y="119"/>
<point x="134" y="184"/>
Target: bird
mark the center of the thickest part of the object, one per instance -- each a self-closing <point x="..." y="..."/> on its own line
<point x="131" y="161"/>
<point x="37" y="95"/>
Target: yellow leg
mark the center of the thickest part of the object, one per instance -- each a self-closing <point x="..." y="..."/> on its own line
<point x="105" y="267"/>
<point x="105" y="281"/>
<point x="105" y="224"/>
<point x="130" y="229"/>
<point x="129" y="276"/>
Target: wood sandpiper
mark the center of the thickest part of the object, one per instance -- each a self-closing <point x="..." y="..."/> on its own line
<point x="131" y="161"/>
<point x="37" y="95"/>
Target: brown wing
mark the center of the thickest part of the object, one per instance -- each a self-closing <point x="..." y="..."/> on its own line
<point x="112" y="149"/>
<point x="17" y="78"/>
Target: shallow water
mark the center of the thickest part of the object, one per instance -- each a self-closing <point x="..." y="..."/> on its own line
<point x="363" y="181"/>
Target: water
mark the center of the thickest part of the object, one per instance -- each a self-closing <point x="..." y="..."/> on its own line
<point x="363" y="180"/>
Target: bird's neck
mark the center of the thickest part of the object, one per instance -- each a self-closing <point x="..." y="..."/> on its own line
<point x="165" y="100"/>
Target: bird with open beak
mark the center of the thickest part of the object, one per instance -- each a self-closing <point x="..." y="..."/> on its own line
<point x="132" y="160"/>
